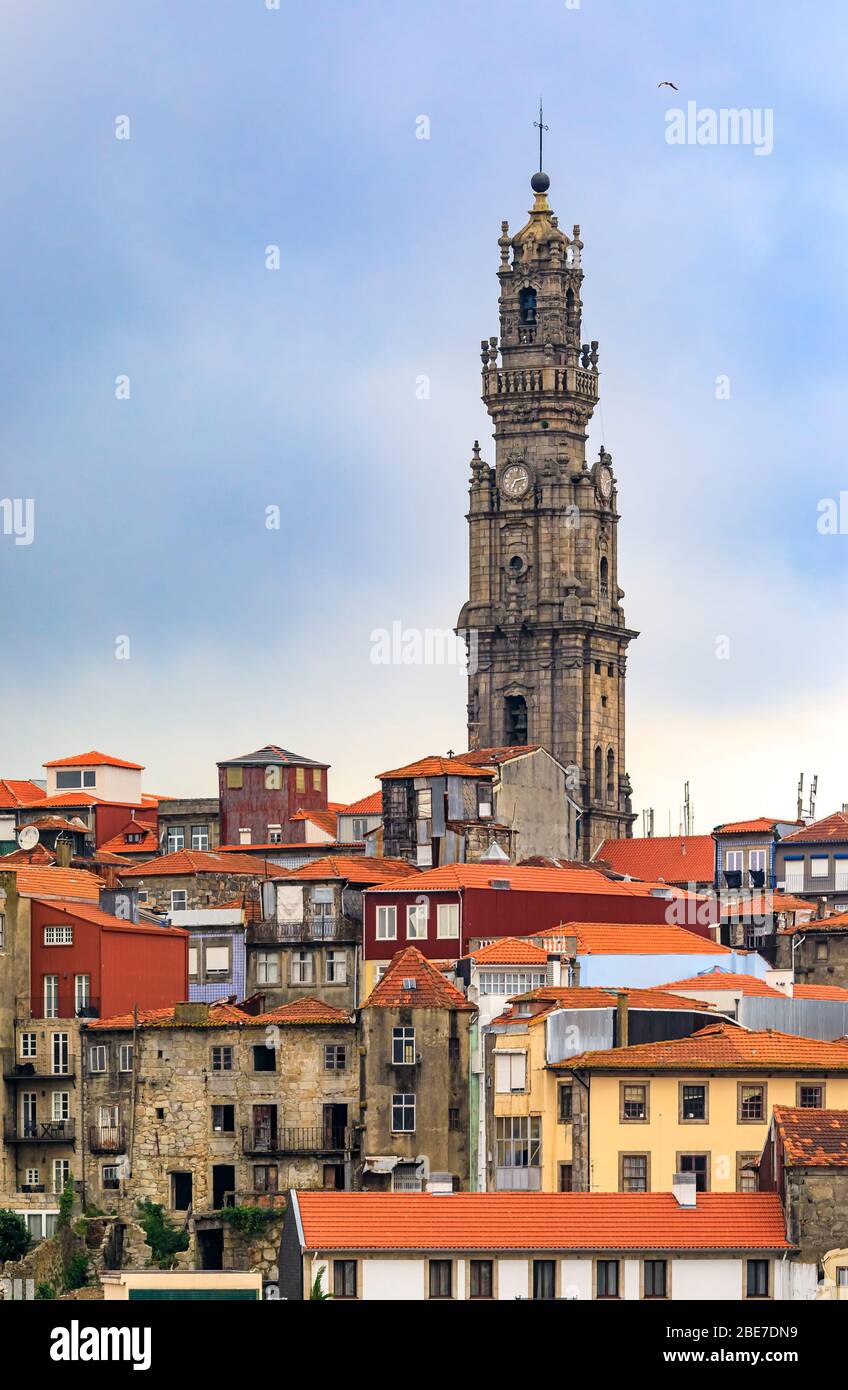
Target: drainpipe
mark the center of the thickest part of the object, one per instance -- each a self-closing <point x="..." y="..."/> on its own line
<point x="622" y="1016"/>
<point x="133" y="1090"/>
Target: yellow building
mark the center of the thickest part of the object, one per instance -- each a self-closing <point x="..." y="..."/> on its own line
<point x="699" y="1105"/>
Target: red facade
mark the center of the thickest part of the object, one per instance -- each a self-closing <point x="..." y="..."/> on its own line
<point x="254" y="806"/>
<point x="111" y="817"/>
<point x="128" y="965"/>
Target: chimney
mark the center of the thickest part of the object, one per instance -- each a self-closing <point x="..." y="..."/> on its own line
<point x="554" y="972"/>
<point x="683" y="1186"/>
<point x="63" y="853"/>
<point x="194" y="1013"/>
<point x="622" y="1018"/>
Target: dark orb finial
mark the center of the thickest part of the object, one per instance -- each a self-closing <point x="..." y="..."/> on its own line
<point x="540" y="183"/>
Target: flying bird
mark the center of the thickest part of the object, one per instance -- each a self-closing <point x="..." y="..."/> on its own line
<point x="668" y="84"/>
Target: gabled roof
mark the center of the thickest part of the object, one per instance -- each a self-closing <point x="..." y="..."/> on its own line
<point x="325" y="820"/>
<point x="429" y="988"/>
<point x="832" y="828"/>
<point x="119" y="844"/>
<point x="552" y="997"/>
<point x="95" y="759"/>
<point x="271" y="755"/>
<point x="720" y="1047"/>
<point x="718" y="979"/>
<point x="39" y="857"/>
<point x="492" y="757"/>
<point x="584" y="879"/>
<point x="552" y="1221"/>
<point x="54" y="882"/>
<point x="87" y="912"/>
<point x="359" y="869"/>
<point x="837" y="923"/>
<point x="219" y="1016"/>
<point x="78" y="798"/>
<point x="510" y="950"/>
<point x="812" y="1138"/>
<point x="668" y="859"/>
<point x="761" y="824"/>
<point x="634" y="938"/>
<point x="18" y="793"/>
<point x="195" y="861"/>
<point x="304" y="1012"/>
<point x="434" y="766"/>
<point x="371" y="805"/>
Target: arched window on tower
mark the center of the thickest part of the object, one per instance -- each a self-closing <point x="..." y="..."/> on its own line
<point x="604" y="576"/>
<point x="599" y="775"/>
<point x="610" y="777"/>
<point x="516" y="720"/>
<point x="527" y="305"/>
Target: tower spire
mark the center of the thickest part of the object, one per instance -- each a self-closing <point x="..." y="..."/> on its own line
<point x="540" y="125"/>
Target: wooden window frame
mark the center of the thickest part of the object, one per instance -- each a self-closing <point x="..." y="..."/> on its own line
<point x="690" y="1085"/>
<point x="744" y="1120"/>
<point x="631" y="1154"/>
<point x="633" y="1119"/>
<point x="696" y="1153"/>
<point x="808" y="1085"/>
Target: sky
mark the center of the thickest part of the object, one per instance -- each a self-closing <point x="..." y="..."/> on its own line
<point x="162" y="388"/>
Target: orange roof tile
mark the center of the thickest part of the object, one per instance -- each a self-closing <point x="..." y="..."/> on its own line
<point x="64" y="799"/>
<point x="305" y="1011"/>
<point x="720" y="1047"/>
<point x="838" y="922"/>
<point x="510" y="950"/>
<point x="491" y="757"/>
<point x="219" y="1016"/>
<point x="833" y="827"/>
<point x="436" y="767"/>
<point x="594" y="997"/>
<point x="325" y="820"/>
<point x="760" y="904"/>
<point x="819" y="992"/>
<point x="754" y="827"/>
<point x="39" y="857"/>
<point x="366" y="806"/>
<point x="668" y="859"/>
<point x="19" y="793"/>
<point x="634" y="938"/>
<point x="89" y="913"/>
<point x="119" y="844"/>
<point x="94" y="759"/>
<point x="430" y="989"/>
<point x="717" y="979"/>
<point x="812" y="1138"/>
<point x="192" y="861"/>
<point x="54" y="882"/>
<point x="539" y="1221"/>
<point x="357" y="869"/>
<point x="527" y="879"/>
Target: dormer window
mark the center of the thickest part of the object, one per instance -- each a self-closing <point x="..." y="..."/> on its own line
<point x="527" y="304"/>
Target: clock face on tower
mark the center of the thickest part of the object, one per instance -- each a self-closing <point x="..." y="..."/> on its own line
<point x="515" y="480"/>
<point x="605" y="483"/>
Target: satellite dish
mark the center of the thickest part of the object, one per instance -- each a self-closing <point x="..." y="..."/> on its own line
<point x="28" y="837"/>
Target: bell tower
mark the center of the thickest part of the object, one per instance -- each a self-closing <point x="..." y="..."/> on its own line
<point x="544" y="623"/>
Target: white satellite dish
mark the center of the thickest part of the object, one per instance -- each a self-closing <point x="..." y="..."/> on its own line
<point x="28" y="837"/>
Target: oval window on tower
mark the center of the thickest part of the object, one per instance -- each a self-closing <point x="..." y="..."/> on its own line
<point x="527" y="304"/>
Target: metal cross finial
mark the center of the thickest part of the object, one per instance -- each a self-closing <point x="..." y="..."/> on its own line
<point x="541" y="127"/>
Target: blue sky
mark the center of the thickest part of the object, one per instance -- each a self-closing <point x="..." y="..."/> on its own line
<point x="296" y="388"/>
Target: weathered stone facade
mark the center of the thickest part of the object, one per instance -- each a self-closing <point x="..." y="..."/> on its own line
<point x="820" y="954"/>
<point x="201" y="889"/>
<point x="546" y="629"/>
<point x="312" y="945"/>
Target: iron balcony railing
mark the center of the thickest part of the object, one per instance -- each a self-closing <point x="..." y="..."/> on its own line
<point x="39" y="1068"/>
<point x="319" y="929"/>
<point x="107" y="1139"/>
<point x="39" y="1131"/>
<point x="303" y="1139"/>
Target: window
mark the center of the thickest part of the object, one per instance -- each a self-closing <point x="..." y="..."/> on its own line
<point x="441" y="1278"/>
<point x="179" y="899"/>
<point x="245" y="835"/>
<point x="819" y="866"/>
<point x="693" y="1102"/>
<point x="757" y="861"/>
<point x="751" y="1104"/>
<point x="416" y="922"/>
<point x="633" y="1173"/>
<point x="565" y="1104"/>
<point x="61" y="1173"/>
<point x="344" y="1278"/>
<point x="453" y="1049"/>
<point x="518" y="1144"/>
<point x="216" y="962"/>
<point x="275" y="834"/>
<point x="29" y="1045"/>
<point x="223" y="1119"/>
<point x="454" y="1121"/>
<point x="484" y="800"/>
<point x="142" y="895"/>
<point x="273" y="779"/>
<point x="566" y="1177"/>
<point x="697" y="1164"/>
<point x="59" y="1060"/>
<point x="109" y="1177"/>
<point x="527" y="305"/>
<point x="200" y="837"/>
<point x="60" y="1108"/>
<point x="360" y="827"/>
<point x="403" y="1113"/>
<point x="235" y="778"/>
<point x="757" y="1279"/>
<point x="604" y="579"/>
<point x="222" y="1059"/>
<point x="386" y="923"/>
<point x="193" y="958"/>
<point x="97" y="1058"/>
<point x="335" y="968"/>
<point x="41" y="1224"/>
<point x="610" y="776"/>
<point x="82" y="992"/>
<point x="424" y="804"/>
<point x="301" y="968"/>
<point x="69" y="781"/>
<point x="316" y="779"/>
<point x="125" y="1057"/>
<point x="32" y="1177"/>
<point x="634" y="1103"/>
<point x="510" y="1072"/>
<point x="58" y="936"/>
<point x="267" y="967"/>
<point x="734" y="860"/>
<point x="51" y="996"/>
<point x="607" y="1278"/>
<point x="447" y="921"/>
<point x="265" y="1177"/>
<point x="810" y="1097"/>
<point x="655" y="1278"/>
<point x="510" y="981"/>
<point x="599" y="762"/>
<point x="516" y="720"/>
<point x="335" y="1057"/>
<point x="544" y="1279"/>
<point x="403" y="1047"/>
<point x="264" y="1058"/>
<point x="842" y="1277"/>
<point x="300" y="779"/>
<point x="481" y="1278"/>
<point x="747" y="1168"/>
<point x="822" y="949"/>
<point x="176" y="838"/>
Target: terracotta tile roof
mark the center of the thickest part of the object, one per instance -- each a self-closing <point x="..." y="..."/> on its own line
<point x="721" y="1047"/>
<point x="64" y="799"/>
<point x="119" y="844"/>
<point x="39" y="857"/>
<point x="760" y="904"/>
<point x="94" y="759"/>
<point x="19" y="793"/>
<point x="539" y="1221"/>
<point x="301" y="846"/>
<point x="668" y="859"/>
<point x="838" y="922"/>
<point x="271" y="754"/>
<point x="195" y="861"/>
<point x="528" y="880"/>
<point x="219" y="1016"/>
<point x="833" y="827"/>
<point x="819" y="992"/>
<point x="58" y="823"/>
<point x="764" y="824"/>
<point x="594" y="997"/>
<point x="366" y="806"/>
<point x="491" y="757"/>
<point x="58" y="883"/>
<point x="325" y="820"/>
<point x="430" y="991"/>
<point x="436" y="767"/>
<point x="89" y="913"/>
<point x="717" y="979"/>
<point x="812" y="1138"/>
<point x="357" y="869"/>
<point x="634" y="938"/>
<point x="305" y="1011"/>
<point x="248" y="903"/>
<point x="510" y="950"/>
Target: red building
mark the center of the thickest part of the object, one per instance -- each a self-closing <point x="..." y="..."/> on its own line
<point x="446" y="911"/>
<point x="86" y="959"/>
<point x="262" y="793"/>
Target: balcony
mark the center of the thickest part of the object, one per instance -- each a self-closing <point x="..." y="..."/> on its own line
<point x="107" y="1139"/>
<point x="37" y="1069"/>
<point x="526" y="1179"/>
<point x="308" y="1139"/>
<point x="286" y="933"/>
<point x="39" y="1132"/>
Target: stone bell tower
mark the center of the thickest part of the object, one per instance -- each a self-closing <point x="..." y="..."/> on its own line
<point x="544" y="623"/>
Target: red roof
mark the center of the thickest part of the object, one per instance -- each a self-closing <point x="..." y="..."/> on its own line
<point x="833" y="827"/>
<point x="94" y="759"/>
<point x="436" y="767"/>
<point x="491" y="757"/>
<point x="634" y="938"/>
<point x="367" y="806"/>
<point x="54" y="882"/>
<point x="88" y="913"/>
<point x="18" y="793"/>
<point x="219" y="1016"/>
<point x="325" y="820"/>
<point x="716" y="978"/>
<point x="837" y="923"/>
<point x="720" y="1047"/>
<point x="65" y="799"/>
<point x="305" y="1011"/>
<point x="762" y="824"/>
<point x="819" y="992"/>
<point x="195" y="861"/>
<point x="587" y="1221"/>
<point x="812" y="1138"/>
<point x="668" y="859"/>
<point x="356" y="869"/>
<point x="429" y="988"/>
<point x="119" y="844"/>
<point x="39" y="856"/>
<point x="510" y="950"/>
<point x="527" y="879"/>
